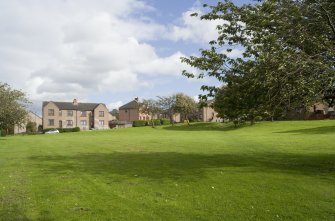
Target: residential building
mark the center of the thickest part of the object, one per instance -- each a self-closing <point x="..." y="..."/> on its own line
<point x="131" y="112"/>
<point x="86" y="116"/>
<point x="31" y="117"/>
<point x="208" y="114"/>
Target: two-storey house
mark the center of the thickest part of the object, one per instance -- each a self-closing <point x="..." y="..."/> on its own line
<point x="86" y="116"/>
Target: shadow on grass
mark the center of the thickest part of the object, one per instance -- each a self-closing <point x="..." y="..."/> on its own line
<point x="315" y="130"/>
<point x="171" y="165"/>
<point x="204" y="127"/>
<point x="11" y="213"/>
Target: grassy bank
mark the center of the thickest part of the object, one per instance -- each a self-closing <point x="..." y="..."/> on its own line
<point x="269" y="171"/>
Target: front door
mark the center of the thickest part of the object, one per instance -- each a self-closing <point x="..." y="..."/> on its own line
<point x="60" y="124"/>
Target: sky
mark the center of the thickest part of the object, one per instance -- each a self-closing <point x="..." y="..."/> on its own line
<point x="101" y="51"/>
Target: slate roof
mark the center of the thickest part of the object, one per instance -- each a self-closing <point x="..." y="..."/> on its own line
<point x="131" y="105"/>
<point x="71" y="106"/>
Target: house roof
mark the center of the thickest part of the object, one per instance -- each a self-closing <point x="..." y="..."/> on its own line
<point x="131" y="105"/>
<point x="71" y="106"/>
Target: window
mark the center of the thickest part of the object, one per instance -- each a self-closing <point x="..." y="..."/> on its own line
<point x="101" y="123"/>
<point x="69" y="113"/>
<point x="83" y="114"/>
<point x="60" y="113"/>
<point x="101" y="114"/>
<point x="83" y="122"/>
<point x="51" y="112"/>
<point x="51" y="122"/>
<point x="69" y="123"/>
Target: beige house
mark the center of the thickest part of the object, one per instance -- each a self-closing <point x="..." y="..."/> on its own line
<point x="208" y="114"/>
<point x="86" y="116"/>
<point x="31" y="117"/>
<point x="131" y="112"/>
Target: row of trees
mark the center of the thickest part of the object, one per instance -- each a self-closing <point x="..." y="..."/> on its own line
<point x="169" y="105"/>
<point x="288" y="60"/>
<point x="13" y="106"/>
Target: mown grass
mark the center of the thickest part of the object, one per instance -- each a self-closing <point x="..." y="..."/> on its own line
<point x="269" y="171"/>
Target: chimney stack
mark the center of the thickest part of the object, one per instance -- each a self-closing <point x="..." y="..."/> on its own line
<point x="136" y="99"/>
<point x="75" y="102"/>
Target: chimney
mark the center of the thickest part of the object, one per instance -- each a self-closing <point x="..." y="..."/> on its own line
<point x="136" y="99"/>
<point x="75" y="102"/>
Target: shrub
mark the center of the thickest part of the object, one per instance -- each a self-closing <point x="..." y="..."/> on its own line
<point x="31" y="127"/>
<point x="258" y="118"/>
<point x="2" y="133"/>
<point x="76" y="129"/>
<point x="157" y="122"/>
<point x="165" y="121"/>
<point x="139" y="123"/>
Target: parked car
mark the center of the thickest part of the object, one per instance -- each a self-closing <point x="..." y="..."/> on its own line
<point x="52" y="131"/>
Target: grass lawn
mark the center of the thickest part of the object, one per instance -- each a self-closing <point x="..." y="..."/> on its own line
<point x="269" y="171"/>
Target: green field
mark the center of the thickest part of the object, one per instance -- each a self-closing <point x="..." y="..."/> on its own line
<point x="269" y="171"/>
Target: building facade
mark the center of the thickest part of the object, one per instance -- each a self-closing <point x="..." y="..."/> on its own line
<point x="131" y="112"/>
<point x="86" y="116"/>
<point x="208" y="114"/>
<point x="31" y="117"/>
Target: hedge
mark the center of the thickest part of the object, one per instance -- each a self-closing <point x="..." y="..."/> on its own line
<point x="165" y="121"/>
<point x="139" y="123"/>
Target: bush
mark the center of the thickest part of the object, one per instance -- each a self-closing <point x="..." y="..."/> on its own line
<point x="2" y="133"/>
<point x="165" y="121"/>
<point x="76" y="129"/>
<point x="157" y="122"/>
<point x="31" y="127"/>
<point x="258" y="118"/>
<point x="139" y="123"/>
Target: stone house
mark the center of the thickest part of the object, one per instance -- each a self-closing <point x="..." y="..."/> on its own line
<point x="86" y="116"/>
<point x="31" y="117"/>
<point x="131" y="112"/>
<point x="208" y="114"/>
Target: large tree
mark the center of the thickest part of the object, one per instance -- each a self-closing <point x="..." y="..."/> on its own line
<point x="167" y="104"/>
<point x="150" y="107"/>
<point x="186" y="106"/>
<point x="288" y="60"/>
<point x="13" y="104"/>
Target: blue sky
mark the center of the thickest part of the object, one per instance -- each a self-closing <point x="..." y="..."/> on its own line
<point x="100" y="51"/>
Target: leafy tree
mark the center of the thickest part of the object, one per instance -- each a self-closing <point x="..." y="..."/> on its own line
<point x="115" y="113"/>
<point x="185" y="105"/>
<point x="13" y="107"/>
<point x="150" y="107"/>
<point x="31" y="127"/>
<point x="167" y="104"/>
<point x="288" y="60"/>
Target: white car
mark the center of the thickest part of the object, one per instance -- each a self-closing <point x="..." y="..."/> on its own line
<point x="52" y="131"/>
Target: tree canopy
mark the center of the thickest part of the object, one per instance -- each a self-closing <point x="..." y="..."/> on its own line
<point x="185" y="105"/>
<point x="13" y="105"/>
<point x="288" y="58"/>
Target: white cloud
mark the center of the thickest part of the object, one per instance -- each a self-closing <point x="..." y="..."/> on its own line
<point x="193" y="28"/>
<point x="61" y="49"/>
<point x="67" y="49"/>
<point x="115" y="105"/>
